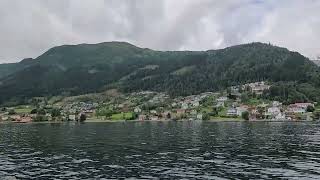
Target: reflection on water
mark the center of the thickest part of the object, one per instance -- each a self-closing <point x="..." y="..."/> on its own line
<point x="146" y="150"/>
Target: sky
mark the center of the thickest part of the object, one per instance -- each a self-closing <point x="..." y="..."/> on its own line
<point x="29" y="28"/>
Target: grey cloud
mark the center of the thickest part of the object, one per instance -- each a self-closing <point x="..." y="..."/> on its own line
<point x="29" y="28"/>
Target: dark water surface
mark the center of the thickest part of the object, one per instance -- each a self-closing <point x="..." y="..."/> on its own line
<point x="165" y="150"/>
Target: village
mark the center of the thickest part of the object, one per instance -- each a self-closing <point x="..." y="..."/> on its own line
<point x="233" y="104"/>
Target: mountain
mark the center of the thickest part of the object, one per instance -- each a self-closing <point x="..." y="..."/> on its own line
<point x="84" y="68"/>
<point x="10" y="68"/>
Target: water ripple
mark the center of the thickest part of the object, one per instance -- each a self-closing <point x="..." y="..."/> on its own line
<point x="174" y="150"/>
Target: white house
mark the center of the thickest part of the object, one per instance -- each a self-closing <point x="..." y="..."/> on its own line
<point x="184" y="106"/>
<point x="295" y="109"/>
<point x="153" y="112"/>
<point x="199" y="116"/>
<point x="193" y="112"/>
<point x="72" y="117"/>
<point x="196" y="104"/>
<point x="257" y="87"/>
<point x="154" y="118"/>
<point x="280" y="116"/>
<point x="174" y="104"/>
<point x="220" y="104"/>
<point x="276" y="104"/>
<point x="232" y="112"/>
<point x="222" y="99"/>
<point x="137" y="110"/>
<point x="304" y="105"/>
<point x="273" y="111"/>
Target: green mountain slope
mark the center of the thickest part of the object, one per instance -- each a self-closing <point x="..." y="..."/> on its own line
<point x="10" y="68"/>
<point x="84" y="68"/>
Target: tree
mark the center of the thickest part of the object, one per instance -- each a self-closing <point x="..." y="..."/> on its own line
<point x="41" y="112"/>
<point x="55" y="112"/>
<point x="206" y="116"/>
<point x="310" y="108"/>
<point x="40" y="118"/>
<point x="83" y="117"/>
<point x="12" y="112"/>
<point x="168" y="116"/>
<point x="245" y="115"/>
<point x="316" y="114"/>
<point x="244" y="97"/>
<point x="214" y="112"/>
<point x="34" y="111"/>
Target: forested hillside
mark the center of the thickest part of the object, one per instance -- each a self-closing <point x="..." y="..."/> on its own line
<point x="84" y="68"/>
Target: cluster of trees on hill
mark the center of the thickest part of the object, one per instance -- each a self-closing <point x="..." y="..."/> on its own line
<point x="81" y="69"/>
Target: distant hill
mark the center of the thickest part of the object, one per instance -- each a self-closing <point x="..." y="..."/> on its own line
<point x="85" y="68"/>
<point x="317" y="62"/>
<point x="11" y="68"/>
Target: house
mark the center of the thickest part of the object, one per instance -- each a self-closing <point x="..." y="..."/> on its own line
<point x="137" y="110"/>
<point x="303" y="105"/>
<point x="280" y="116"/>
<point x="295" y="109"/>
<point x="184" y="106"/>
<point x="154" y="118"/>
<point x="199" y="116"/>
<point x="276" y="104"/>
<point x="232" y="112"/>
<point x="142" y="117"/>
<point x="220" y="104"/>
<point x="166" y="115"/>
<point x="181" y="112"/>
<point x="15" y="117"/>
<point x="4" y="118"/>
<point x="48" y="116"/>
<point x="222" y="99"/>
<point x="25" y="119"/>
<point x="196" y="104"/>
<point x="273" y="111"/>
<point x="72" y="117"/>
<point x="257" y="87"/>
<point x="193" y="112"/>
<point x="153" y="112"/>
<point x="235" y="91"/>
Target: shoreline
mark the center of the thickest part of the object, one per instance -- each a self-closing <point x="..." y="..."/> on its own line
<point x="125" y="121"/>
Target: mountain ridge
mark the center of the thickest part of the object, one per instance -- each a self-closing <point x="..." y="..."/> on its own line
<point x="85" y="68"/>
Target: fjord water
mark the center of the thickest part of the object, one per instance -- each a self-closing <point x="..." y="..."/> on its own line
<point x="191" y="150"/>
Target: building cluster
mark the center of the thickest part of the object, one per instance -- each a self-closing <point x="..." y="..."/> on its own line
<point x="174" y="109"/>
<point x="272" y="111"/>
<point x="147" y="105"/>
<point x="73" y="110"/>
<point x="257" y="87"/>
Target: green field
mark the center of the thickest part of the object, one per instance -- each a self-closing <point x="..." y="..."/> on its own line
<point x="122" y="116"/>
<point x="23" y="109"/>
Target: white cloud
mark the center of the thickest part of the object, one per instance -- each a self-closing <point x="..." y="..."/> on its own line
<point x="28" y="28"/>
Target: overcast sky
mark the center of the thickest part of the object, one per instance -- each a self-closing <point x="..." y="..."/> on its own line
<point x="30" y="27"/>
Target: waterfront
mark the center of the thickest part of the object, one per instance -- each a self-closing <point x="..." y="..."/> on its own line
<point x="186" y="149"/>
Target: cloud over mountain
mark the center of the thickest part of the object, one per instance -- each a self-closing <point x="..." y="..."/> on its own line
<point x="28" y="28"/>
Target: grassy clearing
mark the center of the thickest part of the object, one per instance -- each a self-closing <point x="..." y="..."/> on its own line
<point x="184" y="70"/>
<point x="23" y="109"/>
<point x="122" y="116"/>
<point x="255" y="101"/>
